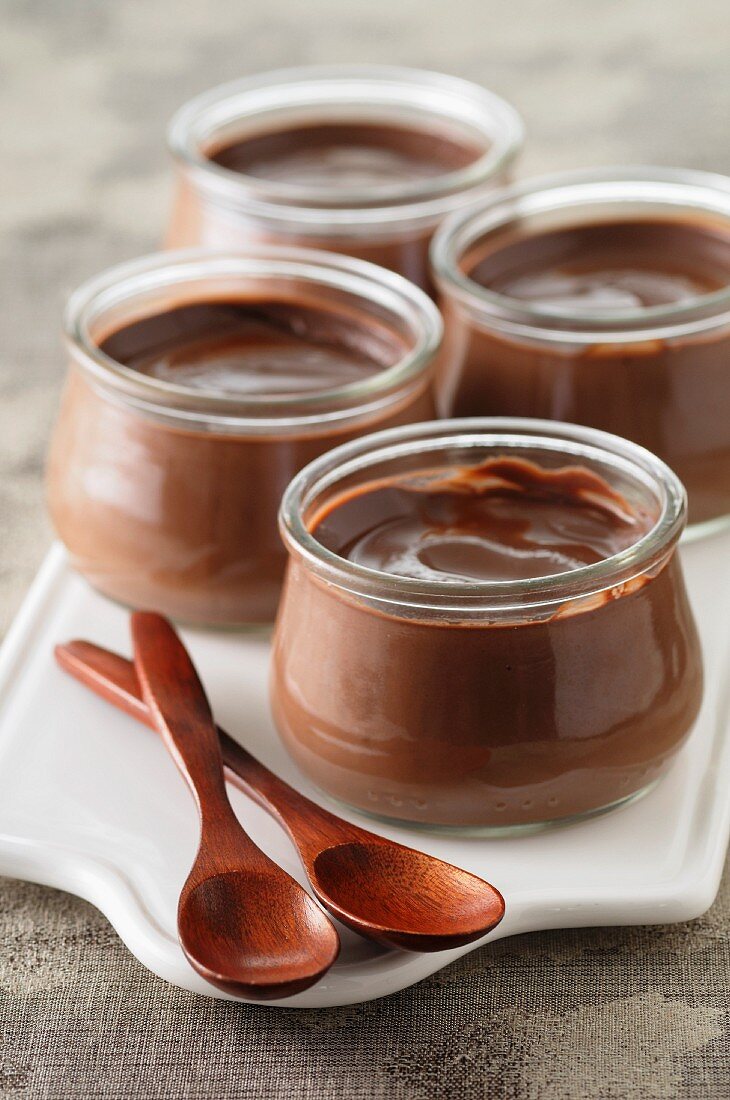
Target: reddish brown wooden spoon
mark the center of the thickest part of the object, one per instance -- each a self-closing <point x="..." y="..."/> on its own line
<point x="381" y="889"/>
<point x="243" y="922"/>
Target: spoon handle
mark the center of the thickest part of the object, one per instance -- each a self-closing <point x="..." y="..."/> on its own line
<point x="113" y="677"/>
<point x="180" y="711"/>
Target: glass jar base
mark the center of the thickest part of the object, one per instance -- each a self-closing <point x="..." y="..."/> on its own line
<point x="260" y="629"/>
<point x="493" y="831"/>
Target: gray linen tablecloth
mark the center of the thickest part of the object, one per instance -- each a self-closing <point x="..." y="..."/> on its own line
<point x="88" y="87"/>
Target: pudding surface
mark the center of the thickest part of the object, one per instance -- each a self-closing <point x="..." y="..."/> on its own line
<point x="249" y="347"/>
<point x="504" y="519"/>
<point x="349" y="156"/>
<point x="613" y="266"/>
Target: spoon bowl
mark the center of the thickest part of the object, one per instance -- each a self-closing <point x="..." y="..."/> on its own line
<point x="385" y="891"/>
<point x="224" y="938"/>
<point x="404" y="898"/>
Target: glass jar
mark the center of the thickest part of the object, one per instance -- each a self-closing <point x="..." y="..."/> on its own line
<point x="657" y="375"/>
<point x="388" y="221"/>
<point x="165" y="495"/>
<point x="486" y="704"/>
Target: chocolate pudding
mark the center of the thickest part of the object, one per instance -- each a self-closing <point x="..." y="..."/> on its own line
<point x="405" y="702"/>
<point x="504" y="519"/>
<point x="349" y="157"/>
<point x="611" y="266"/>
<point x="259" y="347"/>
<point x="365" y="162"/>
<point x="621" y="323"/>
<point x="181" y="426"/>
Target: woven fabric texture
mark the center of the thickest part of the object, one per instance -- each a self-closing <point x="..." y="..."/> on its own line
<point x="621" y="1014"/>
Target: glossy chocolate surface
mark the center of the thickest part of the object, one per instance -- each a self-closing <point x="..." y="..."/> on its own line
<point x="346" y="155"/>
<point x="613" y="266"/>
<point x="245" y="348"/>
<point x="504" y="519"/>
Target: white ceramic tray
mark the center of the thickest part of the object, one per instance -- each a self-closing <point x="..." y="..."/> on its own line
<point x="91" y="803"/>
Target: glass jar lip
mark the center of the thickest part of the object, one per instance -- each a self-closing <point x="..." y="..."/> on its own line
<point x="328" y="211"/>
<point x="503" y="433"/>
<point x="677" y="188"/>
<point x="375" y="286"/>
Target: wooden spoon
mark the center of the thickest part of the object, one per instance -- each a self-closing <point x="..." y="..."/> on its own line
<point x="383" y="890"/>
<point x="244" y="924"/>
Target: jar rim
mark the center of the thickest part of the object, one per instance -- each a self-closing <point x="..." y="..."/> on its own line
<point x="501" y="596"/>
<point x="374" y="286"/>
<point x="329" y="211"/>
<point x="673" y="188"/>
